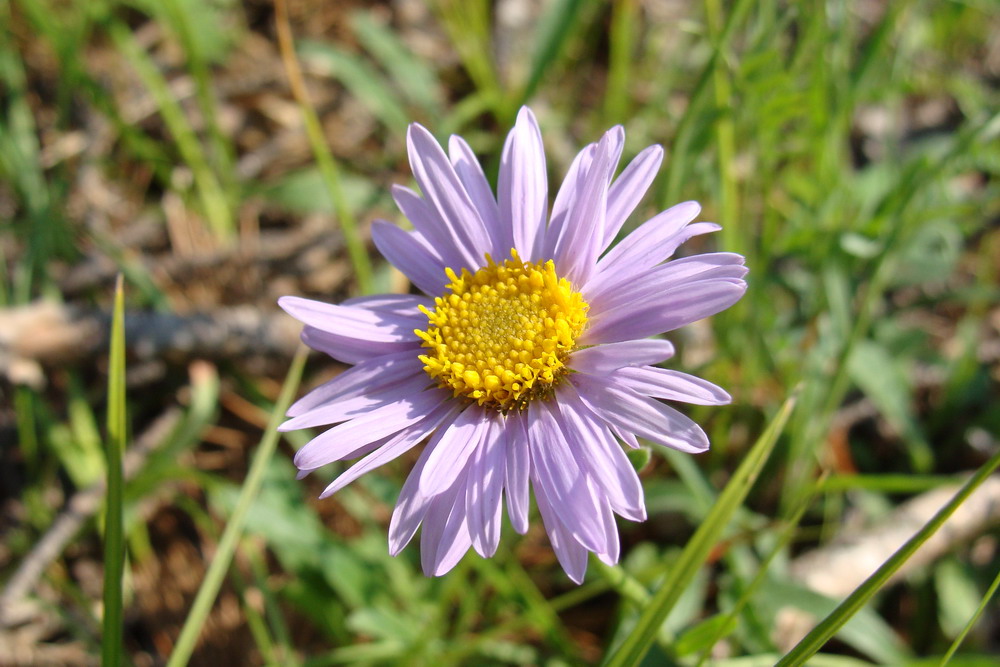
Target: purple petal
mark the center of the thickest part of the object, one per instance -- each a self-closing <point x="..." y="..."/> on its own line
<point x="669" y="310"/>
<point x="353" y="322"/>
<point x="357" y="453"/>
<point x="610" y="294"/>
<point x="602" y="359"/>
<point x="349" y="408"/>
<point x="626" y="437"/>
<point x="555" y="469"/>
<point x="484" y="488"/>
<point x="367" y="376"/>
<point x="452" y="448"/>
<point x="616" y="144"/>
<point x="651" y="243"/>
<point x="351" y="350"/>
<point x="571" y="554"/>
<point x="411" y="507"/>
<point x="518" y="466"/>
<point x="629" y="188"/>
<point x="445" y="537"/>
<point x="602" y="455"/>
<point x="626" y="269"/>
<point x="478" y="188"/>
<point x="658" y="237"/>
<point x="412" y="255"/>
<point x="644" y="416"/>
<point x="396" y="446"/>
<point x="335" y="443"/>
<point x="401" y="305"/>
<point x="429" y="225"/>
<point x="610" y="554"/>
<point x="568" y="192"/>
<point x="673" y="385"/>
<point x="579" y="245"/>
<point x="443" y="189"/>
<point x="523" y="184"/>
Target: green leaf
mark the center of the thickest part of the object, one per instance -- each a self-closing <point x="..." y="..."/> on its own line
<point x="957" y="594"/>
<point x="704" y="635"/>
<point x="929" y="256"/>
<point x="306" y="191"/>
<point x="215" y="205"/>
<point x="414" y="77"/>
<point x="639" y="458"/>
<point x="360" y="78"/>
<point x="879" y="375"/>
<point x="697" y="551"/>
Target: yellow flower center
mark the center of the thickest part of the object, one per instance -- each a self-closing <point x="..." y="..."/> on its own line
<point x="500" y="336"/>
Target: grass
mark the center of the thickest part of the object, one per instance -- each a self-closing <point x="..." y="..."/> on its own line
<point x="849" y="150"/>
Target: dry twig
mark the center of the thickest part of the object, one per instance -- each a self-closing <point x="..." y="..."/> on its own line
<point x="45" y="333"/>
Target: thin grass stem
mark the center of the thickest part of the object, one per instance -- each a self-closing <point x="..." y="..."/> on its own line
<point x="210" y="586"/>
<point x="972" y="621"/>
<point x="700" y="546"/>
<point x="324" y="158"/>
<point x="114" y="529"/>
<point x="826" y="628"/>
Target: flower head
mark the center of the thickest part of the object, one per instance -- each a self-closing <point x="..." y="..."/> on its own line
<point x="529" y="362"/>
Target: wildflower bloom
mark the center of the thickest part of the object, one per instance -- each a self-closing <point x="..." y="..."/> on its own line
<point x="529" y="361"/>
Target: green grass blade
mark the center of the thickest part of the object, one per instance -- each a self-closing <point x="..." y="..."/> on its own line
<point x="415" y="79"/>
<point x="366" y="83"/>
<point x="887" y="482"/>
<point x="467" y="23"/>
<point x="696" y="552"/>
<point x="725" y="138"/>
<point x="114" y="538"/>
<point x="321" y="152"/>
<point x="184" y="23"/>
<point x="234" y="528"/>
<point x="556" y="26"/>
<point x="972" y="621"/>
<point x="826" y="628"/>
<point x="622" y="37"/>
<point x="687" y="127"/>
<point x="210" y="192"/>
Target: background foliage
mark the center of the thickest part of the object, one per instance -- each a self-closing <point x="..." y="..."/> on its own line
<point x="848" y="148"/>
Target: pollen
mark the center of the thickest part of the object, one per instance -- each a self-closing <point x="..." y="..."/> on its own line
<point x="501" y="336"/>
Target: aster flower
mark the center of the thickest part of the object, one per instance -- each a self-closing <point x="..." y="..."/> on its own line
<point x="529" y="363"/>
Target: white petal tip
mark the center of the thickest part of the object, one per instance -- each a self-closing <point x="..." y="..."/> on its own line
<point x="289" y="303"/>
<point x="607" y="559"/>
<point x="331" y="489"/>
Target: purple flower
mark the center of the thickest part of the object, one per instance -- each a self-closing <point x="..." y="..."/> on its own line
<point x="529" y="362"/>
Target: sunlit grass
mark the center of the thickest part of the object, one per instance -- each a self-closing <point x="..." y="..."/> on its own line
<point x="850" y="154"/>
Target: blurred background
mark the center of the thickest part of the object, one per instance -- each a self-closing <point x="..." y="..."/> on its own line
<point x="849" y="148"/>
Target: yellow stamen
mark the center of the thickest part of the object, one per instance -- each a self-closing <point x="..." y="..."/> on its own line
<point x="500" y="336"/>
